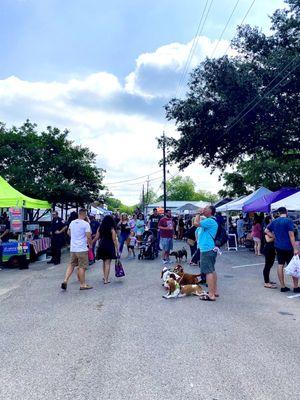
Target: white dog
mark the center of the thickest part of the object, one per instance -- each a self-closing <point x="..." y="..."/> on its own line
<point x="165" y="274"/>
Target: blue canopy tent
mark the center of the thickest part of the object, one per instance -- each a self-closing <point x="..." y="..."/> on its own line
<point x="263" y="204"/>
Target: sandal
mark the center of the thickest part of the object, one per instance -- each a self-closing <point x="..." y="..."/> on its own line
<point x="105" y="283"/>
<point x="86" y="287"/>
<point x="206" y="297"/>
<point x="270" y="286"/>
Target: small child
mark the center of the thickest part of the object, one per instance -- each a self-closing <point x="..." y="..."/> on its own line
<point x="132" y="240"/>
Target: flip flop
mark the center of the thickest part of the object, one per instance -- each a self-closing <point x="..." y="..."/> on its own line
<point x="206" y="298"/>
<point x="105" y="283"/>
<point x="271" y="286"/>
<point x="87" y="287"/>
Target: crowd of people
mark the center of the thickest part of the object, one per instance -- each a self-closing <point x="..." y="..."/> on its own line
<point x="91" y="240"/>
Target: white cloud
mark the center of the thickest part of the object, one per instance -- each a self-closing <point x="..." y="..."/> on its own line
<point x="158" y="73"/>
<point x="118" y="122"/>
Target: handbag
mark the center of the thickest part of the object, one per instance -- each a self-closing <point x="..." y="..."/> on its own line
<point x="293" y="268"/>
<point x="191" y="242"/>
<point x="119" y="270"/>
<point x="91" y="255"/>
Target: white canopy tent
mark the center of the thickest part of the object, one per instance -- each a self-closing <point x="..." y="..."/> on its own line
<point x="291" y="203"/>
<point x="99" y="211"/>
<point x="238" y="204"/>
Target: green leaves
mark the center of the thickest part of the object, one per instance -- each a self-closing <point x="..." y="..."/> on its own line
<point x="183" y="188"/>
<point x="47" y="165"/>
<point x="239" y="107"/>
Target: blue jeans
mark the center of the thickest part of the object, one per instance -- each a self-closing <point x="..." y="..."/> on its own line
<point x="123" y="238"/>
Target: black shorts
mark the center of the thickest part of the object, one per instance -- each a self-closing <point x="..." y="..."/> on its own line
<point x="284" y="256"/>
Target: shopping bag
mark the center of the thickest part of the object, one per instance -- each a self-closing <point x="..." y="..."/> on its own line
<point x="91" y="255"/>
<point x="293" y="268"/>
<point x="119" y="270"/>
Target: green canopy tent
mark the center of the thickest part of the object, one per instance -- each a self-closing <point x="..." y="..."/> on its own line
<point x="10" y="197"/>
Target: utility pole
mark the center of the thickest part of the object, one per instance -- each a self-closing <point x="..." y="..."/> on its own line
<point x="147" y="196"/>
<point x="164" y="171"/>
<point x="143" y="199"/>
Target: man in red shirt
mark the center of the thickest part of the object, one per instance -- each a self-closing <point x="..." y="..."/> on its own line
<point x="166" y="230"/>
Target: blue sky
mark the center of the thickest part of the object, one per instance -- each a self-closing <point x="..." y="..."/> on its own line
<point x="105" y="69"/>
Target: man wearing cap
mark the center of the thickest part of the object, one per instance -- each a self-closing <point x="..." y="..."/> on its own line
<point x="282" y="230"/>
<point x="205" y="234"/>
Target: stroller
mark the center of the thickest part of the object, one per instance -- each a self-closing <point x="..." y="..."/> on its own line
<point x="148" y="248"/>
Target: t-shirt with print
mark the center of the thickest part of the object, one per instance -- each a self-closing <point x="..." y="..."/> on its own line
<point x="166" y="223"/>
<point x="281" y="228"/>
<point x="206" y="234"/>
<point x="79" y="228"/>
<point x="154" y="220"/>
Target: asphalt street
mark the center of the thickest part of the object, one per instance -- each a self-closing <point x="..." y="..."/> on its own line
<point x="124" y="341"/>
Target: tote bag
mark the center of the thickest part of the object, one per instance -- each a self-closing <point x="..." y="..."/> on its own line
<point x="119" y="270"/>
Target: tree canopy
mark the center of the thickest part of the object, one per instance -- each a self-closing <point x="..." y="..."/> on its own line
<point x="47" y="165"/>
<point x="261" y="171"/>
<point x="182" y="188"/>
<point x="247" y="106"/>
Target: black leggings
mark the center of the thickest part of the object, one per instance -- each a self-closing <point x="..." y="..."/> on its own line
<point x="269" y="252"/>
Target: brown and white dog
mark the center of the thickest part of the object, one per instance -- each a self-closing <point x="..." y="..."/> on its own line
<point x="175" y="290"/>
<point x="165" y="274"/>
<point x="186" y="279"/>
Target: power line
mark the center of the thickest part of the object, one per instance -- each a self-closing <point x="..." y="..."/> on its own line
<point x="194" y="45"/>
<point x="265" y="94"/>
<point x="237" y="119"/>
<point x="241" y="23"/>
<point x="133" y="179"/>
<point x="135" y="183"/>
<point x="191" y="49"/>
<point x="225" y="27"/>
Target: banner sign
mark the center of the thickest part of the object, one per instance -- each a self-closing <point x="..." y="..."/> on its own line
<point x="10" y="249"/>
<point x="16" y="220"/>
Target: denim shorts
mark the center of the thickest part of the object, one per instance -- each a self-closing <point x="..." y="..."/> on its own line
<point x="207" y="261"/>
<point x="166" y="244"/>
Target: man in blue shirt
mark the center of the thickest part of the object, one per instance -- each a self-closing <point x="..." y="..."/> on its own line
<point x="282" y="230"/>
<point x="206" y="233"/>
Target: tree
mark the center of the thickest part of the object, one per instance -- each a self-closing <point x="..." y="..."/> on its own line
<point x="47" y="165"/>
<point x="237" y="108"/>
<point x="150" y="196"/>
<point x="183" y="188"/>
<point x="262" y="170"/>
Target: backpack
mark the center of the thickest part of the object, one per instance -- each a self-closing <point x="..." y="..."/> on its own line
<point x="221" y="236"/>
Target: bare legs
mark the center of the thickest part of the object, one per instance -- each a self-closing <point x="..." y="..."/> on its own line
<point x="257" y="247"/>
<point x="211" y="280"/>
<point x="80" y="276"/>
<point x="69" y="272"/>
<point x="281" y="275"/>
<point x="106" y="270"/>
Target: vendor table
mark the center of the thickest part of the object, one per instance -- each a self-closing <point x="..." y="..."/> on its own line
<point x="41" y="244"/>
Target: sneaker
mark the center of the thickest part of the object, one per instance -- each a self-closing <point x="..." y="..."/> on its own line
<point x="64" y="286"/>
<point x="297" y="290"/>
<point x="285" y="289"/>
